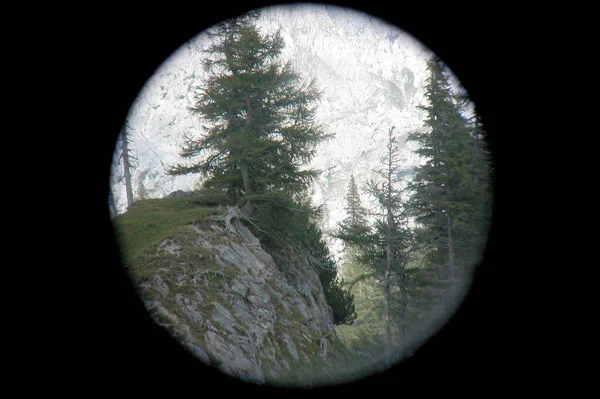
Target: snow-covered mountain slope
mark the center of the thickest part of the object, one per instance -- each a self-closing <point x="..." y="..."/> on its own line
<point x="371" y="74"/>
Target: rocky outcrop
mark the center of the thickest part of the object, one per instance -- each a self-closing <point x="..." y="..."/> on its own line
<point x="236" y="308"/>
<point x="183" y="194"/>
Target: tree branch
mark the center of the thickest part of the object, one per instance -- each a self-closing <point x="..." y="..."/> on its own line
<point x="358" y="279"/>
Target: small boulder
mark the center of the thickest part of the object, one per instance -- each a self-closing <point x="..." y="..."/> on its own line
<point x="182" y="194"/>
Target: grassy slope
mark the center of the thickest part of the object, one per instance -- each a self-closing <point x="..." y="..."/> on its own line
<point x="150" y="221"/>
<point x="141" y="229"/>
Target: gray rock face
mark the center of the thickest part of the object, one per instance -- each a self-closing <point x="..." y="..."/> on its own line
<point x="237" y="309"/>
<point x="182" y="194"/>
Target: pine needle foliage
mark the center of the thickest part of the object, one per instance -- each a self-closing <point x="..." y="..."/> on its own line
<point x="259" y="118"/>
<point x="259" y="133"/>
<point x="451" y="191"/>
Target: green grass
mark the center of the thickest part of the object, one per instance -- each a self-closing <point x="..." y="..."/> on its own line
<point x="148" y="222"/>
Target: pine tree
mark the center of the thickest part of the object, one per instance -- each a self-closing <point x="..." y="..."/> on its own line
<point x="385" y="246"/>
<point x="355" y="226"/>
<point x="127" y="158"/>
<point x="355" y="230"/>
<point x="357" y="214"/>
<point x="259" y="131"/>
<point x="477" y="220"/>
<point x="450" y="189"/>
<point x="393" y="235"/>
<point x="260" y="119"/>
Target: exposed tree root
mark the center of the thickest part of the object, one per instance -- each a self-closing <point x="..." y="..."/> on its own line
<point x="231" y="220"/>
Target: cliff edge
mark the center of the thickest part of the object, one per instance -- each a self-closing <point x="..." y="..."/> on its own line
<point x="205" y="278"/>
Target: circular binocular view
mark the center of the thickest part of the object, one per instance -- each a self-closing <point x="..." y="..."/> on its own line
<point x="301" y="194"/>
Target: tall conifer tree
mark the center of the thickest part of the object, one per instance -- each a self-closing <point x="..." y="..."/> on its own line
<point x="357" y="214"/>
<point x="385" y="245"/>
<point x="450" y="190"/>
<point x="393" y="235"/>
<point x="260" y="131"/>
<point x="355" y="226"/>
<point x="259" y="115"/>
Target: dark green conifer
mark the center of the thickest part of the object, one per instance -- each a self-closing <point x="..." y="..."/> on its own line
<point x="450" y="191"/>
<point x="259" y="133"/>
<point x="386" y="244"/>
<point x="259" y="118"/>
<point x="357" y="214"/>
<point x="355" y="227"/>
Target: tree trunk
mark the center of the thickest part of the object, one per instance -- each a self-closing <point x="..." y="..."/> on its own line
<point x="126" y="166"/>
<point x="111" y="204"/>
<point x="248" y="206"/>
<point x="386" y="310"/>
<point x="389" y="257"/>
<point x="451" y="264"/>
<point x="246" y="177"/>
<point x="403" y="309"/>
<point x="248" y="107"/>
